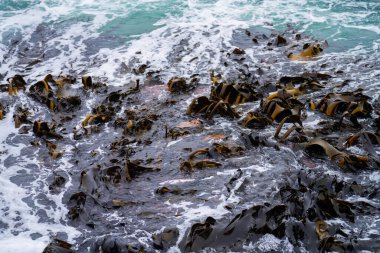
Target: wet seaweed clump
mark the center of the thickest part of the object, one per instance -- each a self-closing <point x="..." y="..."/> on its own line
<point x="15" y="84"/>
<point x="303" y="212"/>
<point x="62" y="98"/>
<point x="58" y="246"/>
<point x="180" y="84"/>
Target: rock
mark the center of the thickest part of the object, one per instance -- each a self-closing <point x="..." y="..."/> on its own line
<point x="280" y="41"/>
<point x="238" y="51"/>
<point x="164" y="240"/>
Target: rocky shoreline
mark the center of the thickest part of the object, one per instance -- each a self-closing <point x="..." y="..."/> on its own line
<point x="284" y="156"/>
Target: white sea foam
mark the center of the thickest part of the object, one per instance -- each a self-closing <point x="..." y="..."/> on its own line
<point x="21" y="218"/>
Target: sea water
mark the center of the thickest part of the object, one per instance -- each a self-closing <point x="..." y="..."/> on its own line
<point x="95" y="37"/>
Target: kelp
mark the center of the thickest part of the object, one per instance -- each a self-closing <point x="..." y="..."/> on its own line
<point x="53" y="150"/>
<point x="353" y="104"/>
<point x="289" y="90"/>
<point x="65" y="80"/>
<point x="100" y="115"/>
<point x="41" y="128"/>
<point x="297" y="126"/>
<point x="2" y="111"/>
<point x="174" y="133"/>
<point x="277" y="109"/>
<point x="226" y="151"/>
<point x="174" y="190"/>
<point x="215" y="78"/>
<point x="287" y="93"/>
<point x="234" y="94"/>
<point x="58" y="246"/>
<point x="256" y="120"/>
<point x="59" y="100"/>
<point x="309" y="79"/>
<point x="189" y="165"/>
<point x="194" y="123"/>
<point x="76" y="205"/>
<point x="42" y="88"/>
<point x="15" y="84"/>
<point x="180" y="84"/>
<point x="300" y="212"/>
<point x="319" y="148"/>
<point x="199" y="152"/>
<point x="121" y="143"/>
<point x="370" y="138"/>
<point x="132" y="170"/>
<point x="310" y="50"/>
<point x="136" y="122"/>
<point x="141" y="69"/>
<point x="210" y="107"/>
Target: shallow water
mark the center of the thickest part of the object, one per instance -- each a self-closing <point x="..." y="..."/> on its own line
<point x="180" y="38"/>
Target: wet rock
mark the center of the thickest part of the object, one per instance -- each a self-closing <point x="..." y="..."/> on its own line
<point x="141" y="69"/>
<point x="256" y="140"/>
<point x="68" y="104"/>
<point x="56" y="185"/>
<point x="24" y="129"/>
<point x="199" y="232"/>
<point x="110" y="244"/>
<point x="238" y="51"/>
<point x="165" y="239"/>
<point x="231" y="183"/>
<point x="280" y="41"/>
<point x="90" y="84"/>
<point x="153" y="78"/>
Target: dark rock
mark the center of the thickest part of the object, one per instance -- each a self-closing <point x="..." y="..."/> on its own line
<point x="164" y="240"/>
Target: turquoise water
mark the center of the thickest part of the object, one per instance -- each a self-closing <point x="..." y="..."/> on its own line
<point x="350" y="22"/>
<point x="88" y="29"/>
